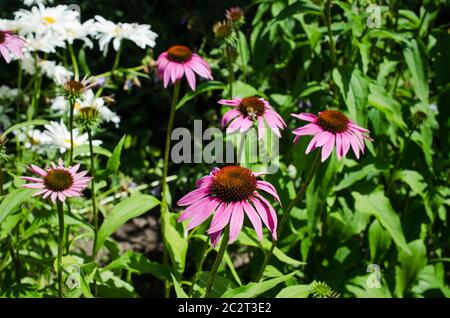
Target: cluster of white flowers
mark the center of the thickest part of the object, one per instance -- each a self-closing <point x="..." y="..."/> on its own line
<point x="58" y="73"/>
<point x="49" y="28"/>
<point x="56" y="135"/>
<point x="60" y="105"/>
<point x="7" y="93"/>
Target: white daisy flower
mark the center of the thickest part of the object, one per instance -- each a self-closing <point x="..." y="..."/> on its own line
<point x="46" y="20"/>
<point x="55" y="72"/>
<point x="90" y="100"/>
<point x="38" y="2"/>
<point x="106" y="31"/>
<point x="46" y="43"/>
<point x="59" y="136"/>
<point x="33" y="139"/>
<point x="60" y="105"/>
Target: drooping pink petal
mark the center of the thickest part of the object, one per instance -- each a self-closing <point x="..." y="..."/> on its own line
<point x="230" y="102"/>
<point x="193" y="196"/>
<point x="261" y="128"/>
<point x="214" y="237"/>
<point x="339" y="146"/>
<point x="271" y="215"/>
<point x="221" y="218"/>
<point x="306" y="116"/>
<point x="266" y="186"/>
<point x="196" y="207"/>
<point x="39" y="171"/>
<point x="199" y="217"/>
<point x="228" y="116"/>
<point x="327" y="149"/>
<point x="254" y="219"/>
<point x="246" y="124"/>
<point x="190" y="77"/>
<point x="236" y="221"/>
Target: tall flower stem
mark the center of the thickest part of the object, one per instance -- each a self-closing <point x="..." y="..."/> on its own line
<point x="164" y="207"/>
<point x="1" y="179"/>
<point x="205" y="251"/>
<point x="230" y="70"/>
<point x="241" y="54"/>
<point x="287" y="212"/>
<point x="117" y="58"/>
<point x="330" y="34"/>
<point x="216" y="264"/>
<point x="71" y="109"/>
<point x="93" y="194"/>
<point x="74" y="61"/>
<point x="60" y="245"/>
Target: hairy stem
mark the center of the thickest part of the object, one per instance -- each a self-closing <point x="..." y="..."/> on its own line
<point x="216" y="264"/>
<point x="60" y="245"/>
<point x="164" y="207"/>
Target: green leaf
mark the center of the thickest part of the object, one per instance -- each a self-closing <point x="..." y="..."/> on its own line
<point x="12" y="201"/>
<point x="379" y="99"/>
<point x="84" y="149"/>
<point x="352" y="177"/>
<point x="138" y="263"/>
<point x="178" y="289"/>
<point x="243" y="56"/>
<point x="248" y="237"/>
<point x="297" y="7"/>
<point x="378" y="204"/>
<point x="35" y="122"/>
<point x="113" y="164"/>
<point x="417" y="64"/>
<point x="252" y="290"/>
<point x="409" y="266"/>
<point x="242" y="90"/>
<point x="127" y="209"/>
<point x="175" y="242"/>
<point x="379" y="240"/>
<point x="296" y="291"/>
<point x="203" y="87"/>
<point x="414" y="180"/>
<point x="354" y="88"/>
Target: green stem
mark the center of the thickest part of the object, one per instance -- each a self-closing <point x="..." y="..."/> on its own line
<point x="60" y="245"/>
<point x="287" y="212"/>
<point x="1" y="179"/>
<point x="164" y="208"/>
<point x="93" y="195"/>
<point x="205" y="252"/>
<point x="117" y="58"/>
<point x="74" y="62"/>
<point x="330" y="34"/>
<point x="216" y="264"/>
<point x="230" y="71"/>
<point x="72" y="106"/>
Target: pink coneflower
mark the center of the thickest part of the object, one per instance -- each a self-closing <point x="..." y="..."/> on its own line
<point x="179" y="60"/>
<point x="230" y="192"/>
<point x="332" y="127"/>
<point x="11" y="44"/>
<point x="57" y="181"/>
<point x="249" y="110"/>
